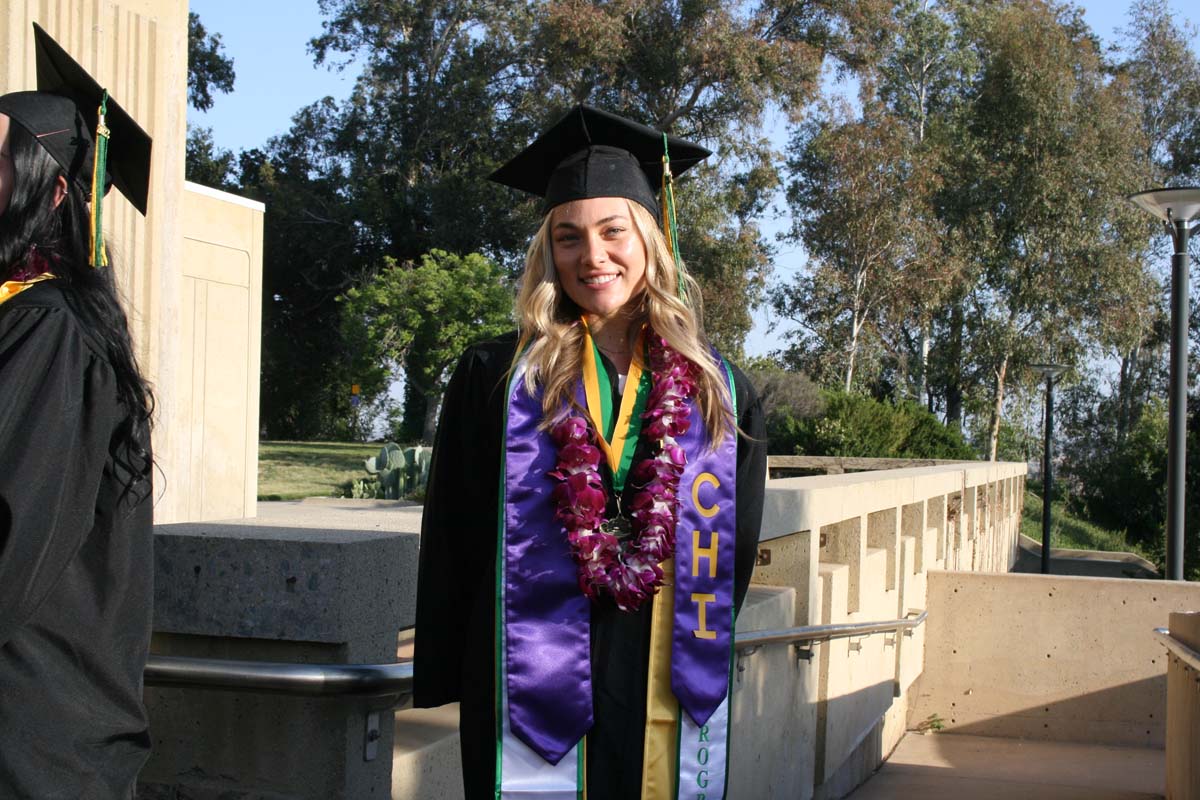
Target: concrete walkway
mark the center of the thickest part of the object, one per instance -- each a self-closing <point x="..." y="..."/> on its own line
<point x="334" y="513"/>
<point x="952" y="766"/>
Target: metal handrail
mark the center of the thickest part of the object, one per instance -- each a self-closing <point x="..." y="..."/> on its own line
<point x="312" y="680"/>
<point x="752" y="640"/>
<point x="395" y="680"/>
<point x="1178" y="648"/>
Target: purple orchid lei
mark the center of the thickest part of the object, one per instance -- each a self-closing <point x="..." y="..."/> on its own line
<point x="627" y="570"/>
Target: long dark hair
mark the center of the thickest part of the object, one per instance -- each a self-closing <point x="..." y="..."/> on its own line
<point x="33" y="229"/>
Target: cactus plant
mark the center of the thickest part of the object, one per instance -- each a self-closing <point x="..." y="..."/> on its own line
<point x="400" y="472"/>
<point x="389" y="465"/>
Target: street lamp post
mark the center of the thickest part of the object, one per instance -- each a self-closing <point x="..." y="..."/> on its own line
<point x="1049" y="372"/>
<point x="1177" y="208"/>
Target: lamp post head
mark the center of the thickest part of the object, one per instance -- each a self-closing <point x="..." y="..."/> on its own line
<point x="1048" y="371"/>
<point x="1181" y="204"/>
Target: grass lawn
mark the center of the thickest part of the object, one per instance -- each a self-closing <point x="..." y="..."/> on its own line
<point x="293" y="470"/>
<point x="1072" y="533"/>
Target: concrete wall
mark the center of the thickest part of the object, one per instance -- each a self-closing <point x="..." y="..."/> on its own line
<point x="1049" y="657"/>
<point x="221" y="321"/>
<point x="138" y="50"/>
<point x="773" y="712"/>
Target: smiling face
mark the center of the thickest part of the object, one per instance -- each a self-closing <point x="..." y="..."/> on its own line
<point x="6" y="165"/>
<point x="598" y="254"/>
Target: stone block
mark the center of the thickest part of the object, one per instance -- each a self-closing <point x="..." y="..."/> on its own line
<point x="296" y="584"/>
<point x="299" y="595"/>
<point x="793" y="565"/>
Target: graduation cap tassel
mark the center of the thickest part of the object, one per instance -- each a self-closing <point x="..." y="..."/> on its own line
<point x="99" y="166"/>
<point x="669" y="223"/>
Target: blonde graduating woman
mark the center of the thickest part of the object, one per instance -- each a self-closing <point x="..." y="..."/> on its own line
<point x="595" y="499"/>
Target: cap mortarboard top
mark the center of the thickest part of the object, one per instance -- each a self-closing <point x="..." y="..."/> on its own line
<point x="63" y="114"/>
<point x="592" y="153"/>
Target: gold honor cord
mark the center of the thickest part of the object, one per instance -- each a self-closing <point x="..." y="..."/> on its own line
<point x="660" y="769"/>
<point x="99" y="167"/>
<point x="10" y="289"/>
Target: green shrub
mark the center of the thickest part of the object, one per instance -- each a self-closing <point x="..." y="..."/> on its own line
<point x="858" y="426"/>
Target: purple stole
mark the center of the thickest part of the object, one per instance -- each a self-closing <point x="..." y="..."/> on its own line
<point x="543" y="664"/>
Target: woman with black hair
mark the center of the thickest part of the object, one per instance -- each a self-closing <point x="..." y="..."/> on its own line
<point x="76" y="567"/>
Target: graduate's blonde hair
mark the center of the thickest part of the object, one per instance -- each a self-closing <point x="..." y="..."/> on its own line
<point x="550" y="326"/>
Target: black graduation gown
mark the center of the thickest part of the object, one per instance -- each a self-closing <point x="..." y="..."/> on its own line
<point x="455" y="638"/>
<point x="76" y="564"/>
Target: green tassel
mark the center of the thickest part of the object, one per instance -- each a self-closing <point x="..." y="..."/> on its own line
<point x="670" y="224"/>
<point x="99" y="167"/>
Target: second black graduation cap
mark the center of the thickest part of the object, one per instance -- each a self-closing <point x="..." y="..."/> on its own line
<point x="592" y="153"/>
<point x="63" y="113"/>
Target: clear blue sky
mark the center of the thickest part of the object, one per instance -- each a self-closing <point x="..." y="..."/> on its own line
<point x="276" y="76"/>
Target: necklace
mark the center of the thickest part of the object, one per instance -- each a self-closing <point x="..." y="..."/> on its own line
<point x="621" y="557"/>
<point x="614" y="351"/>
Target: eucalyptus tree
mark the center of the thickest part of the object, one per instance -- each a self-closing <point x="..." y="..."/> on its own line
<point x="1051" y="150"/>
<point x="864" y="197"/>
<point x="925" y="65"/>
<point x="848" y="200"/>
<point x="1158" y="60"/>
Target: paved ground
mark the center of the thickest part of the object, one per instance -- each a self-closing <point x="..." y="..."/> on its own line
<point x="945" y="766"/>
<point x="340" y="514"/>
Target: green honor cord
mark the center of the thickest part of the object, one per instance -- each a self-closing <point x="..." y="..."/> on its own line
<point x="609" y="417"/>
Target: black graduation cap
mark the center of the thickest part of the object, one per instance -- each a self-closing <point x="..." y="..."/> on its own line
<point x="592" y="153"/>
<point x="63" y="114"/>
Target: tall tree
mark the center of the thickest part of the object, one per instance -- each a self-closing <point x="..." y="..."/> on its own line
<point x="1051" y="151"/>
<point x="924" y="65"/>
<point x="447" y="89"/>
<point x="311" y="255"/>
<point x="1164" y="74"/>
<point x="847" y="198"/>
<point x="1159" y="63"/>
<point x="427" y="121"/>
<point x="210" y="70"/>
<point x="914" y="62"/>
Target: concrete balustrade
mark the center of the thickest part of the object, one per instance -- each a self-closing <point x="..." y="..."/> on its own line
<point x="877" y="537"/>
